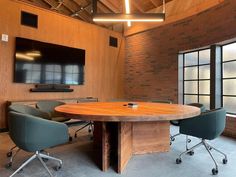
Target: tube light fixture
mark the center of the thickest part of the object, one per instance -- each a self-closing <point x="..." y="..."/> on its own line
<point x="127" y="11"/>
<point x="148" y="17"/>
<point x="120" y="17"/>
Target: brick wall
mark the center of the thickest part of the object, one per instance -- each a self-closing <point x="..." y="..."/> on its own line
<point x="230" y="129"/>
<point x="151" y="57"/>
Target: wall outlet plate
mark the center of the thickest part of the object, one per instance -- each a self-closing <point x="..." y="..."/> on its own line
<point x="4" y="37"/>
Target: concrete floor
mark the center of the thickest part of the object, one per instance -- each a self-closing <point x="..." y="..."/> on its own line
<point x="78" y="160"/>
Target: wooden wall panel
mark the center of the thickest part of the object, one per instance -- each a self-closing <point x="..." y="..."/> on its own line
<point x="104" y="64"/>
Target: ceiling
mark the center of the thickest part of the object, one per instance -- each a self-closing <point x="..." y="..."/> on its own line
<point x="81" y="9"/>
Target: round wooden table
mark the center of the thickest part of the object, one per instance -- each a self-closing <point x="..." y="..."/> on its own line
<point x="129" y="131"/>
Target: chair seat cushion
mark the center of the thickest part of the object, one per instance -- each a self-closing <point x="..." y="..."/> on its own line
<point x="60" y="119"/>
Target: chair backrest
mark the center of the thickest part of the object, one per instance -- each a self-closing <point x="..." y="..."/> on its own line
<point x="32" y="133"/>
<point x="208" y="125"/>
<point x="119" y="100"/>
<point x="21" y="108"/>
<point x="162" y="101"/>
<point x="199" y="105"/>
<point x="49" y="106"/>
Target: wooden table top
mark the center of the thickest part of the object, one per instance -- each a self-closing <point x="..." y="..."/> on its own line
<point x="120" y="112"/>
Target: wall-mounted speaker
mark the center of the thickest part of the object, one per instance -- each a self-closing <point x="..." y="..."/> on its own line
<point x="113" y="42"/>
<point x="29" y="19"/>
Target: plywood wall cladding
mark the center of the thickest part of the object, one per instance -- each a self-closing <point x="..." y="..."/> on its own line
<point x="151" y="66"/>
<point x="104" y="64"/>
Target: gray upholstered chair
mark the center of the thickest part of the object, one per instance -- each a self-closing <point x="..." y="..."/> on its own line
<point x="21" y="108"/>
<point x="48" y="106"/>
<point x="25" y="109"/>
<point x="162" y="101"/>
<point x="26" y="132"/>
<point x="177" y="123"/>
<point x="207" y="126"/>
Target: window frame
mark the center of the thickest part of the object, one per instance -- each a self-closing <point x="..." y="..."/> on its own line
<point x="229" y="78"/>
<point x="196" y="80"/>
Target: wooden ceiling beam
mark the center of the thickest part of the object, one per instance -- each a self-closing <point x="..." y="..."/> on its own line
<point x="103" y="8"/>
<point x="154" y="3"/>
<point x="137" y="6"/>
<point x="109" y="5"/>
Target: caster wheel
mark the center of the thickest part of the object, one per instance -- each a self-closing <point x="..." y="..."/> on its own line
<point x="170" y="143"/>
<point x="189" y="141"/>
<point x="210" y="148"/>
<point x="75" y="135"/>
<point x="57" y="168"/>
<point x="8" y="165"/>
<point x="89" y="131"/>
<point x="191" y="153"/>
<point x="178" y="161"/>
<point x="70" y="138"/>
<point x="172" y="139"/>
<point x="9" y="154"/>
<point x="214" y="171"/>
<point x="225" y="161"/>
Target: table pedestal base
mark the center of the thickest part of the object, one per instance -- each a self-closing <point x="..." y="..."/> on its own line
<point x="117" y="142"/>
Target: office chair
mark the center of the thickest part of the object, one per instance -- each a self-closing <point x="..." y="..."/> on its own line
<point x="48" y="106"/>
<point x="177" y="123"/>
<point x="207" y="126"/>
<point x="20" y="108"/>
<point x="34" y="134"/>
<point x="88" y="124"/>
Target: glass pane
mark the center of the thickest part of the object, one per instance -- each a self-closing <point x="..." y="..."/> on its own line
<point x="204" y="56"/>
<point x="229" y="87"/>
<point x="190" y="73"/>
<point x="191" y="87"/>
<point x="229" y="103"/>
<point x="204" y="87"/>
<point x="190" y="99"/>
<point x="205" y="100"/>
<point x="229" y="52"/>
<point x="229" y="69"/>
<point x="191" y="59"/>
<point x="204" y="72"/>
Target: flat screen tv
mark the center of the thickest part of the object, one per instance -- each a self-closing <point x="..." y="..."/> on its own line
<point x="43" y="63"/>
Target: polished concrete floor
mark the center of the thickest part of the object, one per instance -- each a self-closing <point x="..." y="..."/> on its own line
<point x="78" y="160"/>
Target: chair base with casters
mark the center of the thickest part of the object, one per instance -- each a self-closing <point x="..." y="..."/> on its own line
<point x="208" y="148"/>
<point x="89" y="125"/>
<point x="207" y="126"/>
<point x="40" y="157"/>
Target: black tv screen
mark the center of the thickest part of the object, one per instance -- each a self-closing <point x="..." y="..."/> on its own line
<point x="43" y="63"/>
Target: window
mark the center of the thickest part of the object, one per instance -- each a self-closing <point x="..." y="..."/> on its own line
<point x="196" y="77"/>
<point x="229" y="77"/>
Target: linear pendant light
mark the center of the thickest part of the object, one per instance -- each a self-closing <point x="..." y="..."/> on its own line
<point x="120" y="17"/>
<point x="127" y="11"/>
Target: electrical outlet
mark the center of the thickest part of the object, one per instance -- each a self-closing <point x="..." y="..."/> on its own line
<point x="5" y="37"/>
